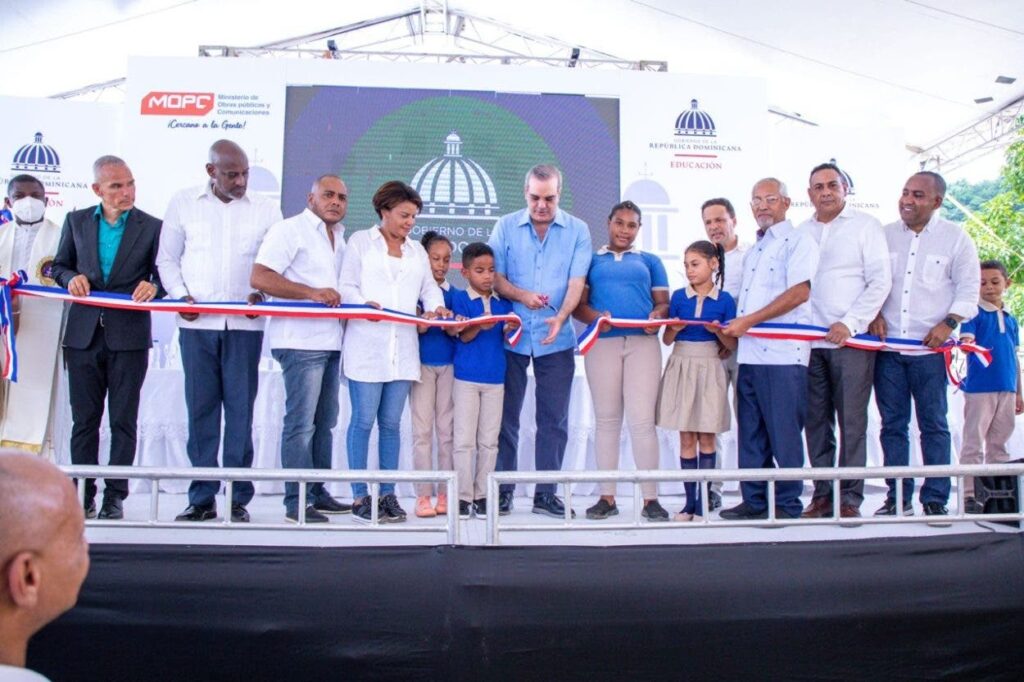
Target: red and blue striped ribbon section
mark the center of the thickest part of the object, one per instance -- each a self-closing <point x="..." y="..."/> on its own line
<point x="799" y="332"/>
<point x="16" y="286"/>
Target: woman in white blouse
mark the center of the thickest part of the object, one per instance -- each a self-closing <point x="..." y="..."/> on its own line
<point x="384" y="268"/>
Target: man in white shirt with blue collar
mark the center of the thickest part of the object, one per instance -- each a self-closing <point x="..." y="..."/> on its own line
<point x="300" y="259"/>
<point x="935" y="286"/>
<point x="852" y="281"/>
<point x="207" y="247"/>
<point x="771" y="386"/>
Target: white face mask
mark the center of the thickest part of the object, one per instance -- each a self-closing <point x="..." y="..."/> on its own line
<point x="28" y="210"/>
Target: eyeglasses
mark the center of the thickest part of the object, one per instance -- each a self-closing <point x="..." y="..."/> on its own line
<point x="769" y="200"/>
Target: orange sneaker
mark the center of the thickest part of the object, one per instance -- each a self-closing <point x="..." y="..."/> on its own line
<point x="423" y="508"/>
<point x="442" y="504"/>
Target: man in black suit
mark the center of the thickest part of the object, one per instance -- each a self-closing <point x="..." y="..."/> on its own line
<point x="110" y="247"/>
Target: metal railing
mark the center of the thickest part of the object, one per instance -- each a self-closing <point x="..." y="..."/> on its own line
<point x="771" y="476"/>
<point x="228" y="476"/>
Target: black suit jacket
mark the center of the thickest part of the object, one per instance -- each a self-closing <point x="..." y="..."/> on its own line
<point x="78" y="253"/>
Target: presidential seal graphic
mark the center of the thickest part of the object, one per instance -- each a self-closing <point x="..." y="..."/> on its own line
<point x="455" y="186"/>
<point x="36" y="158"/>
<point x="695" y="123"/>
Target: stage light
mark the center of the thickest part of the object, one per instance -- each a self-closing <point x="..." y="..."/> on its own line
<point x="574" y="57"/>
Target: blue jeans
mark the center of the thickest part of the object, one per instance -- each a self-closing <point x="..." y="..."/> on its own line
<point x="382" y="402"/>
<point x="221" y="372"/>
<point x="898" y="379"/>
<point x="553" y="375"/>
<point x="311" y="382"/>
<point x="770" y="412"/>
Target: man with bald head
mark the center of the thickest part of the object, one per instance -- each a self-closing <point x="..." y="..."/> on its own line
<point x="300" y="259"/>
<point x="771" y="386"/>
<point x="43" y="554"/>
<point x="207" y="248"/>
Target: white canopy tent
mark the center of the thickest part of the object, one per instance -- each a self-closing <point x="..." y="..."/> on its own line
<point x="919" y="65"/>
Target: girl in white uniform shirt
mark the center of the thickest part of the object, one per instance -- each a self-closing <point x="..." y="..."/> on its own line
<point x="384" y="268"/>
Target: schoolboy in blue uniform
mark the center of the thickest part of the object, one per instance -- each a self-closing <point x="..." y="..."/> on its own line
<point x="479" y="389"/>
<point x="992" y="395"/>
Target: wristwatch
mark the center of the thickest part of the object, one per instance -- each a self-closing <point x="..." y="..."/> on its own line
<point x="951" y="322"/>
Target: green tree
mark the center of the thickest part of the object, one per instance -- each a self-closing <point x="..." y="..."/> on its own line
<point x="970" y="194"/>
<point x="998" y="228"/>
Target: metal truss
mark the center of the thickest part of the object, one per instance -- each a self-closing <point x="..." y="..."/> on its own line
<point x="429" y="32"/>
<point x="432" y="32"/>
<point x="992" y="132"/>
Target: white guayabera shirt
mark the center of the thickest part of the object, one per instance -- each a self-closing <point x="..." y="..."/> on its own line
<point x="854" y="273"/>
<point x="935" y="273"/>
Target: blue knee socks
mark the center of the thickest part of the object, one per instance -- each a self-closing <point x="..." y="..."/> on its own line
<point x="705" y="460"/>
<point x="689" y="486"/>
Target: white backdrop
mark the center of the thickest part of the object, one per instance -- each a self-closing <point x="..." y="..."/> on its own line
<point x="76" y="133"/>
<point x="176" y="107"/>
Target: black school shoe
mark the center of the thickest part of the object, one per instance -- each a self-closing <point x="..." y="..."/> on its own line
<point x="653" y="511"/>
<point x="389" y="511"/>
<point x="602" y="510"/>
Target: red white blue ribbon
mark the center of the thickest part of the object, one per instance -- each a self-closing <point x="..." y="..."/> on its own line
<point x="16" y="286"/>
<point x="798" y="332"/>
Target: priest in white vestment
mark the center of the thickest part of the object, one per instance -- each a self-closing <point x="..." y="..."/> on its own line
<point x="28" y="242"/>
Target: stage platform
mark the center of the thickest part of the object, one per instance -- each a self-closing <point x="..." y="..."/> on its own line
<point x="345" y="531"/>
<point x="939" y="606"/>
<point x="203" y="602"/>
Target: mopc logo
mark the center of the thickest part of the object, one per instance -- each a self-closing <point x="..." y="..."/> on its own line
<point x="177" y="104"/>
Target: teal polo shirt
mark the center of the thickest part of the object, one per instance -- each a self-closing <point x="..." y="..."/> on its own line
<point x="109" y="240"/>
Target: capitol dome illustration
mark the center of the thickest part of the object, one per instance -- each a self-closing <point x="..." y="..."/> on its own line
<point x="36" y="157"/>
<point x="694" y="122"/>
<point x="455" y="186"/>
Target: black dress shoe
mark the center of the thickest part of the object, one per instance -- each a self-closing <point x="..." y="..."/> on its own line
<point x="312" y="515"/>
<point x="239" y="514"/>
<point x="743" y="512"/>
<point x="714" y="501"/>
<point x="889" y="508"/>
<point x="505" y="502"/>
<point x="111" y="509"/>
<point x="195" y="512"/>
<point x="89" y="509"/>
<point x="325" y="504"/>
<point x="549" y="504"/>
